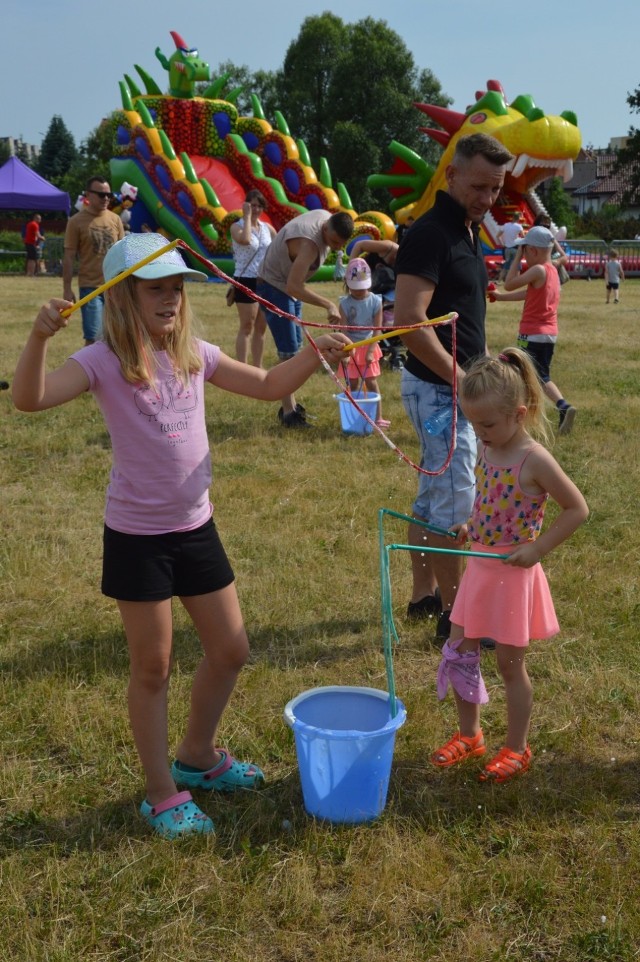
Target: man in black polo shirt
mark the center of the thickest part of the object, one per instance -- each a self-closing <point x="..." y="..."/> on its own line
<point x="440" y="268"/>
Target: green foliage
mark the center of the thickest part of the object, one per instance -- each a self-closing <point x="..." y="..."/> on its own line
<point x="304" y="83"/>
<point x="23" y="153"/>
<point x="11" y="240"/>
<point x="354" y="83"/>
<point x="609" y="223"/>
<point x="94" y="157"/>
<point x="350" y="140"/>
<point x="629" y="156"/>
<point x="58" y="152"/>
<point x="262" y="83"/>
<point x="5" y="152"/>
<point x="559" y="205"/>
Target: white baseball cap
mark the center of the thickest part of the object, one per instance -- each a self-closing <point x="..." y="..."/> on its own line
<point x="536" y="237"/>
<point x="135" y="247"/>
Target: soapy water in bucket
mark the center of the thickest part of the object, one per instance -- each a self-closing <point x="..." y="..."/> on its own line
<point x="351" y="420"/>
<point x="345" y="738"/>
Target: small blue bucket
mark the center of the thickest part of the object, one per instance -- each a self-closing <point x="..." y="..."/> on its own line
<point x="344" y="742"/>
<point x="351" y="420"/>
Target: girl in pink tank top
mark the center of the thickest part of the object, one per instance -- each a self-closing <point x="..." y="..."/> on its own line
<point x="508" y="598"/>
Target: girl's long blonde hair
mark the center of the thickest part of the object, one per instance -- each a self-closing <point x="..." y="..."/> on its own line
<point x="512" y="379"/>
<point x="125" y="333"/>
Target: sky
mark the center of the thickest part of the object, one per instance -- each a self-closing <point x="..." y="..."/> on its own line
<point x="68" y="57"/>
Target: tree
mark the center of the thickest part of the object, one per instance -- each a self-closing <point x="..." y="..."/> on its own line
<point x="58" y="152"/>
<point x="23" y="153"/>
<point x="262" y="83"/>
<point x="92" y="157"/>
<point x="304" y="82"/>
<point x="559" y="205"/>
<point x="629" y="157"/>
<point x="348" y="90"/>
<point x="5" y="151"/>
<point x="352" y="151"/>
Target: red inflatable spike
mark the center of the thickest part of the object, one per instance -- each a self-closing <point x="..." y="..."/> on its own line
<point x="440" y="136"/>
<point x="179" y="42"/>
<point x="449" y="119"/>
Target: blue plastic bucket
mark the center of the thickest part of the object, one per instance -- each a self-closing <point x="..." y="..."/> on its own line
<point x="344" y="742"/>
<point x="351" y="420"/>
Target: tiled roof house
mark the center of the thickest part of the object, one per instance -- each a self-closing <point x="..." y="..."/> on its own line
<point x="595" y="181"/>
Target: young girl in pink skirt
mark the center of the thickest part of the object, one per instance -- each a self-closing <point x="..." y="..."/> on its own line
<point x="507" y="600"/>
<point x="361" y="312"/>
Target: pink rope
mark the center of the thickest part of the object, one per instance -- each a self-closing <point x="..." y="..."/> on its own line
<point x="344" y="388"/>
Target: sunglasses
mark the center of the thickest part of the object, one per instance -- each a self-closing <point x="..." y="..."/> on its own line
<point x="100" y="193"/>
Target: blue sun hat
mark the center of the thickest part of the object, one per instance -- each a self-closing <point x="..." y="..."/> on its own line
<point x="135" y="247"/>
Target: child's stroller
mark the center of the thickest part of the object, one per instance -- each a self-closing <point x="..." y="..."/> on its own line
<point x="383" y="282"/>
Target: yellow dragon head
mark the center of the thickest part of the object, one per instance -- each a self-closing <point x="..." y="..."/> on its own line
<point x="543" y="146"/>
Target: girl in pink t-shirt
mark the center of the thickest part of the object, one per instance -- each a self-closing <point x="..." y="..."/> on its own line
<point x="507" y="600"/>
<point x="148" y="377"/>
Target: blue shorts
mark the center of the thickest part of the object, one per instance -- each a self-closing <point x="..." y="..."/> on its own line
<point x="448" y="498"/>
<point x="286" y="334"/>
<point x="91" y="315"/>
<point x="509" y="253"/>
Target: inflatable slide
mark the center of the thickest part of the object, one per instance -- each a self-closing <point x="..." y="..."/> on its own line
<point x="192" y="159"/>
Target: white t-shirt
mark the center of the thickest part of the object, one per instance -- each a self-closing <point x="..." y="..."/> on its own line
<point x="510" y="233"/>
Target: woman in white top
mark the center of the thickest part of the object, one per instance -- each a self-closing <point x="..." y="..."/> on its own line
<point x="250" y="237"/>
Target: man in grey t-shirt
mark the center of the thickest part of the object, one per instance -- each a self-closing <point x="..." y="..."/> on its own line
<point x="299" y="249"/>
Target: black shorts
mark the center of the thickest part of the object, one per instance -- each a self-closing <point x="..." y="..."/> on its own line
<point x="32" y="252"/>
<point x="241" y="297"/>
<point x="153" y="567"/>
<point x="541" y="353"/>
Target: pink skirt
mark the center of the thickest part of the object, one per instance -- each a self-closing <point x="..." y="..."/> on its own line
<point x="504" y="602"/>
<point x="357" y="366"/>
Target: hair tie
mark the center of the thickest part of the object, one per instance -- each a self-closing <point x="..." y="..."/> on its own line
<point x="503" y="357"/>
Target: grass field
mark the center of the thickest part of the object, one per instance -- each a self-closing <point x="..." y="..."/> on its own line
<point x="542" y="869"/>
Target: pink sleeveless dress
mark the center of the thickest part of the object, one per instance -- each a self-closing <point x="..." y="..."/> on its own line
<point x="494" y="600"/>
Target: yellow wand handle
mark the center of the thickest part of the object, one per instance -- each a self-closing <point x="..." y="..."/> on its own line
<point x="395" y="331"/>
<point x="119" y="277"/>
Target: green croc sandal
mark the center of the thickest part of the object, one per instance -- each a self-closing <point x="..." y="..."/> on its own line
<point x="177" y="816"/>
<point x="228" y="775"/>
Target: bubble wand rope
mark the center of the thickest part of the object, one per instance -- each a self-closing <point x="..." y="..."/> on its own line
<point x="119" y="277"/>
<point x="398" y="331"/>
<point x="448" y="319"/>
<point x="291" y="317"/>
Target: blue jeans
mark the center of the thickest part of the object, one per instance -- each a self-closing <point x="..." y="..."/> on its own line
<point x="91" y="315"/>
<point x="286" y="334"/>
<point x="448" y="498"/>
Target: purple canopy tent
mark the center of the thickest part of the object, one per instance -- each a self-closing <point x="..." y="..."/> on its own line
<point x="22" y="189"/>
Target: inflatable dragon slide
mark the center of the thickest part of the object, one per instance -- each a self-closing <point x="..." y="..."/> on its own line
<point x="191" y="158"/>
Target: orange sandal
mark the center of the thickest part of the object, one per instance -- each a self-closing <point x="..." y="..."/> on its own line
<point x="458" y="749"/>
<point x="506" y="765"/>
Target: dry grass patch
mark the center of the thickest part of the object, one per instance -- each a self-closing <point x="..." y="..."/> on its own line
<point x="542" y="869"/>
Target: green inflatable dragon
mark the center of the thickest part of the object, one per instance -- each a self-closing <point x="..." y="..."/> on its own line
<point x="184" y="66"/>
